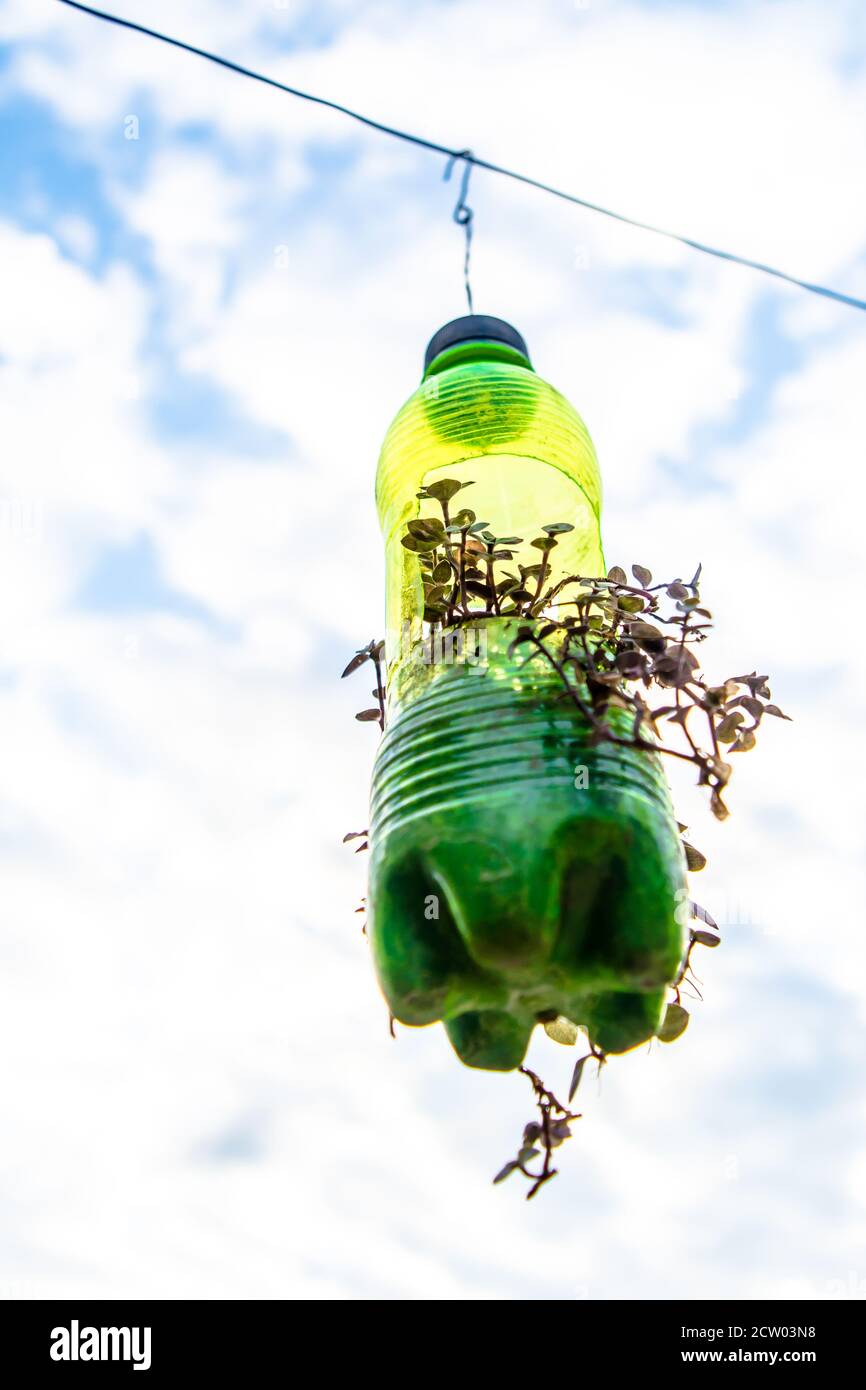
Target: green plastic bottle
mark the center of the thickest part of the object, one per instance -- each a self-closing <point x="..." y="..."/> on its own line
<point x="517" y="872"/>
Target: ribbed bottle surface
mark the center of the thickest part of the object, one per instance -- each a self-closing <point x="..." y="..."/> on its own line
<point x="476" y="734"/>
<point x="478" y="409"/>
<point x="488" y="421"/>
<point x="518" y="869"/>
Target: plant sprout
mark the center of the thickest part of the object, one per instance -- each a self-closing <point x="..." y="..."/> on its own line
<point x="626" y="651"/>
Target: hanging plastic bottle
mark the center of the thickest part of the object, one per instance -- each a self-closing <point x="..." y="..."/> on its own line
<point x="519" y="871"/>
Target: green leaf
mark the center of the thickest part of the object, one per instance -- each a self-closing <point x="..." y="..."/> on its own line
<point x="642" y="575"/>
<point x="694" y="859"/>
<point x="416" y="545"/>
<point x="647" y="636"/>
<point x="562" y="1031"/>
<point x="674" y="1023"/>
<point x="435" y="596"/>
<point x="505" y="1172"/>
<point x="357" y="660"/>
<point x="558" y="528"/>
<point x="675" y="666"/>
<point x="774" y="709"/>
<point x="577" y="1076"/>
<point x="426" y="527"/>
<point x="706" y="938"/>
<point x="729" y="727"/>
<point x="757" y="684"/>
<point x="631" y="664"/>
<point x="721" y="770"/>
<point x="524" y="634"/>
<point x="752" y="707"/>
<point x="445" y="489"/>
<point x="544" y="543"/>
<point x="617" y="575"/>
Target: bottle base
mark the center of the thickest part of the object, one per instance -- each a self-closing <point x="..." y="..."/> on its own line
<point x="518" y="869"/>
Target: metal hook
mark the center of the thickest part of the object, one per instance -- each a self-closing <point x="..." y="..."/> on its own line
<point x="463" y="213"/>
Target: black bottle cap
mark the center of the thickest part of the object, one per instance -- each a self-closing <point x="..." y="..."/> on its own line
<point x="472" y="328"/>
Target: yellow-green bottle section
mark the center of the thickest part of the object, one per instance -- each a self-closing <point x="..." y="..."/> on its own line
<point x="516" y="869"/>
<point x="481" y="415"/>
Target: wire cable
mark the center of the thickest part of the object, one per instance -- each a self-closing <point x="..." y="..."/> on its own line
<point x="470" y="160"/>
<point x="463" y="214"/>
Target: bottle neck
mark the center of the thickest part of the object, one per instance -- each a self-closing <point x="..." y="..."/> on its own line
<point x="478" y="351"/>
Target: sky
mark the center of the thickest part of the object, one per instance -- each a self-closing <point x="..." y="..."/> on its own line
<point x="214" y="299"/>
